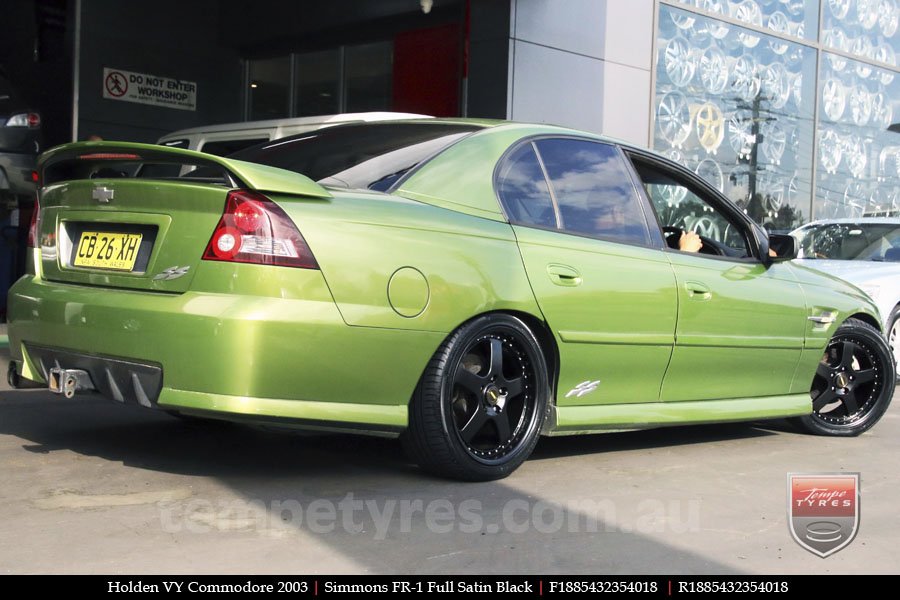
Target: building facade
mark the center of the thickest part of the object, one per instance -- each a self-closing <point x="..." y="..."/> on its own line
<point x="786" y="106"/>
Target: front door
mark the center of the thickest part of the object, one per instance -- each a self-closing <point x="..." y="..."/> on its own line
<point x="741" y="322"/>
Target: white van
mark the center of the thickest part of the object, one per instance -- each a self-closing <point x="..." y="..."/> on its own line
<point x="227" y="138"/>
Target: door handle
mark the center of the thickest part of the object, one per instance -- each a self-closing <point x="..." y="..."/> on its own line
<point x="697" y="290"/>
<point x="564" y="275"/>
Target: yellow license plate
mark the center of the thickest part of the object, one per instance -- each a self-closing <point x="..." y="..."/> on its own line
<point x="103" y="250"/>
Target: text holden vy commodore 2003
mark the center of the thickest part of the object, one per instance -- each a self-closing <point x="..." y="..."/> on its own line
<point x="465" y="285"/>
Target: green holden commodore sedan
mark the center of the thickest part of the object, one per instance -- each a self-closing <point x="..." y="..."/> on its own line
<point x="465" y="285"/>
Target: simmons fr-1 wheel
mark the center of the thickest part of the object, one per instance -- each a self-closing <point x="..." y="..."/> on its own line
<point x="477" y="412"/>
<point x="854" y="382"/>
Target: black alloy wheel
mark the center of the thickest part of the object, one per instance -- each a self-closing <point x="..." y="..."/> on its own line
<point x="853" y="384"/>
<point x="478" y="410"/>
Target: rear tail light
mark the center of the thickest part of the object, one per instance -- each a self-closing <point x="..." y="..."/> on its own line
<point x="35" y="224"/>
<point x="255" y="230"/>
<point x="32" y="120"/>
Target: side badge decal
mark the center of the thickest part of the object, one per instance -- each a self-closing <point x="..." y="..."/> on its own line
<point x="171" y="273"/>
<point x="585" y="387"/>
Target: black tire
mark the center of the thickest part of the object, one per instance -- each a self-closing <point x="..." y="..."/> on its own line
<point x="477" y="412"/>
<point x="854" y="382"/>
<point x="893" y="335"/>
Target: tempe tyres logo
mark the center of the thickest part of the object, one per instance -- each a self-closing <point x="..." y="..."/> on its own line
<point x="823" y="510"/>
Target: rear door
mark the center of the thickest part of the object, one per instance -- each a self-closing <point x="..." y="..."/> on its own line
<point x="604" y="286"/>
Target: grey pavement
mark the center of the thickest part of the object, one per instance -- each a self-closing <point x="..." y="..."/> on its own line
<point x="90" y="486"/>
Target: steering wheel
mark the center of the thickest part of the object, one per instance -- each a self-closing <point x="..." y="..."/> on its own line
<point x="673" y="234"/>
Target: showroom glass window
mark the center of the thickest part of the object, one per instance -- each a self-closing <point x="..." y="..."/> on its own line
<point x="368" y="71"/>
<point x="317" y="85"/>
<point x="352" y="78"/>
<point x="858" y="170"/>
<point x="745" y="107"/>
<point x="268" y="88"/>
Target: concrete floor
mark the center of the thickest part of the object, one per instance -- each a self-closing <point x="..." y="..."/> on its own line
<point x="90" y="486"/>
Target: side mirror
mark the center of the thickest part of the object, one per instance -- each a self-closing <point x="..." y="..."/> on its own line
<point x="784" y="246"/>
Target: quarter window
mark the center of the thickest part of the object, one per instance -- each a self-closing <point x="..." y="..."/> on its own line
<point x="523" y="189"/>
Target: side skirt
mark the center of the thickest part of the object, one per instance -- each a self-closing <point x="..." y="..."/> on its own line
<point x="572" y="420"/>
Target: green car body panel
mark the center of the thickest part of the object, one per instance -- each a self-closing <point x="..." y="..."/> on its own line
<point x="344" y="346"/>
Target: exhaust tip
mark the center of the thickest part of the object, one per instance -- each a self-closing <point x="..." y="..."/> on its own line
<point x="12" y="376"/>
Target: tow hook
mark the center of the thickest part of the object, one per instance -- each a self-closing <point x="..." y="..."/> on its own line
<point x="68" y="381"/>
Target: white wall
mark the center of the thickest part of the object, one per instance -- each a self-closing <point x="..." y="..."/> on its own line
<point x="583" y="64"/>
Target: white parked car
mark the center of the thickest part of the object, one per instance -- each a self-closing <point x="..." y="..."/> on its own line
<point x="226" y="138"/>
<point x="863" y="251"/>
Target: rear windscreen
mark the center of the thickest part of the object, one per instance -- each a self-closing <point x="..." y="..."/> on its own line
<point x="148" y="165"/>
<point x="364" y="155"/>
<point x="226" y="147"/>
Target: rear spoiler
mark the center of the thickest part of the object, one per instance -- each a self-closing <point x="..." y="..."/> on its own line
<point x="69" y="161"/>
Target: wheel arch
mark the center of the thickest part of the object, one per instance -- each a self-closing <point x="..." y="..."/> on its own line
<point x="548" y="346"/>
<point x="866" y="318"/>
<point x="541" y="331"/>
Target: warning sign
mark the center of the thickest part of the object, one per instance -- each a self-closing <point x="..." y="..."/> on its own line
<point x="149" y="89"/>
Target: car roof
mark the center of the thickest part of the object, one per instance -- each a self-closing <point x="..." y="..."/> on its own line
<point x="392" y="117"/>
<point x="295" y="121"/>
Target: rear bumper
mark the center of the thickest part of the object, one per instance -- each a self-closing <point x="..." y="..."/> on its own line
<point x="236" y="356"/>
<point x="125" y="381"/>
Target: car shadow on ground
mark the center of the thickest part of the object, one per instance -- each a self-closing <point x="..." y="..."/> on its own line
<point x="661" y="437"/>
<point x="154" y="440"/>
<point x="266" y="471"/>
<point x="235" y="478"/>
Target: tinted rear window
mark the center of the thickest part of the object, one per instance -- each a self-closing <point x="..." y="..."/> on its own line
<point x="367" y="155"/>
<point x="594" y="190"/>
<point x="226" y="147"/>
